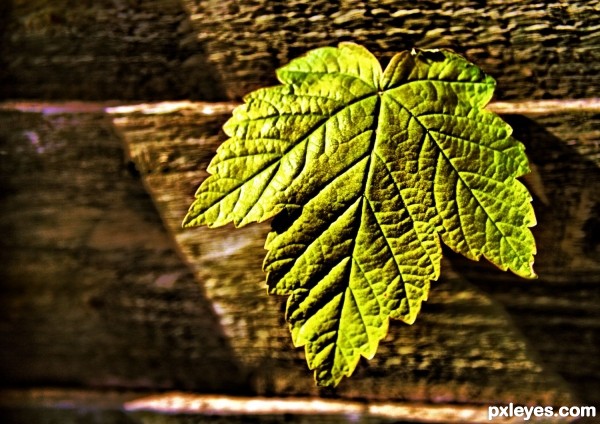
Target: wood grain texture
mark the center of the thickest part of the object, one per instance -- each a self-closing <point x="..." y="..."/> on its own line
<point x="535" y="49"/>
<point x="111" y="407"/>
<point x="93" y="295"/>
<point x="102" y="49"/>
<point x="560" y="311"/>
<point x="222" y="49"/>
<point x="92" y="291"/>
<point x="462" y="337"/>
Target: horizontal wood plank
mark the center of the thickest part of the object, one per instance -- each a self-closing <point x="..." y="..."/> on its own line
<point x="94" y="50"/>
<point x="241" y="249"/>
<point x="218" y="50"/>
<point x="536" y="50"/>
<point x="92" y="291"/>
<point x="93" y="294"/>
<point x="55" y="150"/>
<point x="80" y="406"/>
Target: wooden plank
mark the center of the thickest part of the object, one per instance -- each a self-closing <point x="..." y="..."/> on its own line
<point x="434" y="359"/>
<point x="92" y="295"/>
<point x="217" y="50"/>
<point x="80" y="406"/>
<point x="92" y="291"/>
<point x="560" y="312"/>
<point x="536" y="50"/>
<point x="104" y="49"/>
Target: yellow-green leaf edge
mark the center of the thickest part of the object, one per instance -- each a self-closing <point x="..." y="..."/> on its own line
<point x="449" y="170"/>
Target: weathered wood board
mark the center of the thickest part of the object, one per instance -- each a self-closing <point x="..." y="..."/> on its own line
<point x="160" y="143"/>
<point x="88" y="281"/>
<point x="534" y="49"/>
<point x="101" y="292"/>
<point x="92" y="292"/>
<point x="101" y="49"/>
<point x="221" y="49"/>
<point x="73" y="406"/>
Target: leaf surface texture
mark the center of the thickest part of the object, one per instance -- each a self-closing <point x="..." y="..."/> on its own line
<point x="367" y="172"/>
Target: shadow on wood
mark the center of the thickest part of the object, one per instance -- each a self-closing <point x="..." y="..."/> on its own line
<point x="93" y="292"/>
<point x="463" y="348"/>
<point x="99" y="50"/>
<point x="558" y="312"/>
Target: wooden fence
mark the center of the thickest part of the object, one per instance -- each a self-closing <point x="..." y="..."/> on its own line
<point x="110" y="312"/>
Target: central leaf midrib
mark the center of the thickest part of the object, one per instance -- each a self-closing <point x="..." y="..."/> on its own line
<point x="410" y="215"/>
<point x="360" y="211"/>
<point x="369" y="151"/>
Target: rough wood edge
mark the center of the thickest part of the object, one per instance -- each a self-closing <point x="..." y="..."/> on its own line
<point x="180" y="403"/>
<point x="545" y="107"/>
<point x="183" y="403"/>
<point x="525" y="107"/>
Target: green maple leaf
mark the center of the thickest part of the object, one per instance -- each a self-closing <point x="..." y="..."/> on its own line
<point x="372" y="169"/>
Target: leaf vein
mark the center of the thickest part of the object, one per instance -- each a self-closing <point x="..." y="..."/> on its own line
<point x="447" y="158"/>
